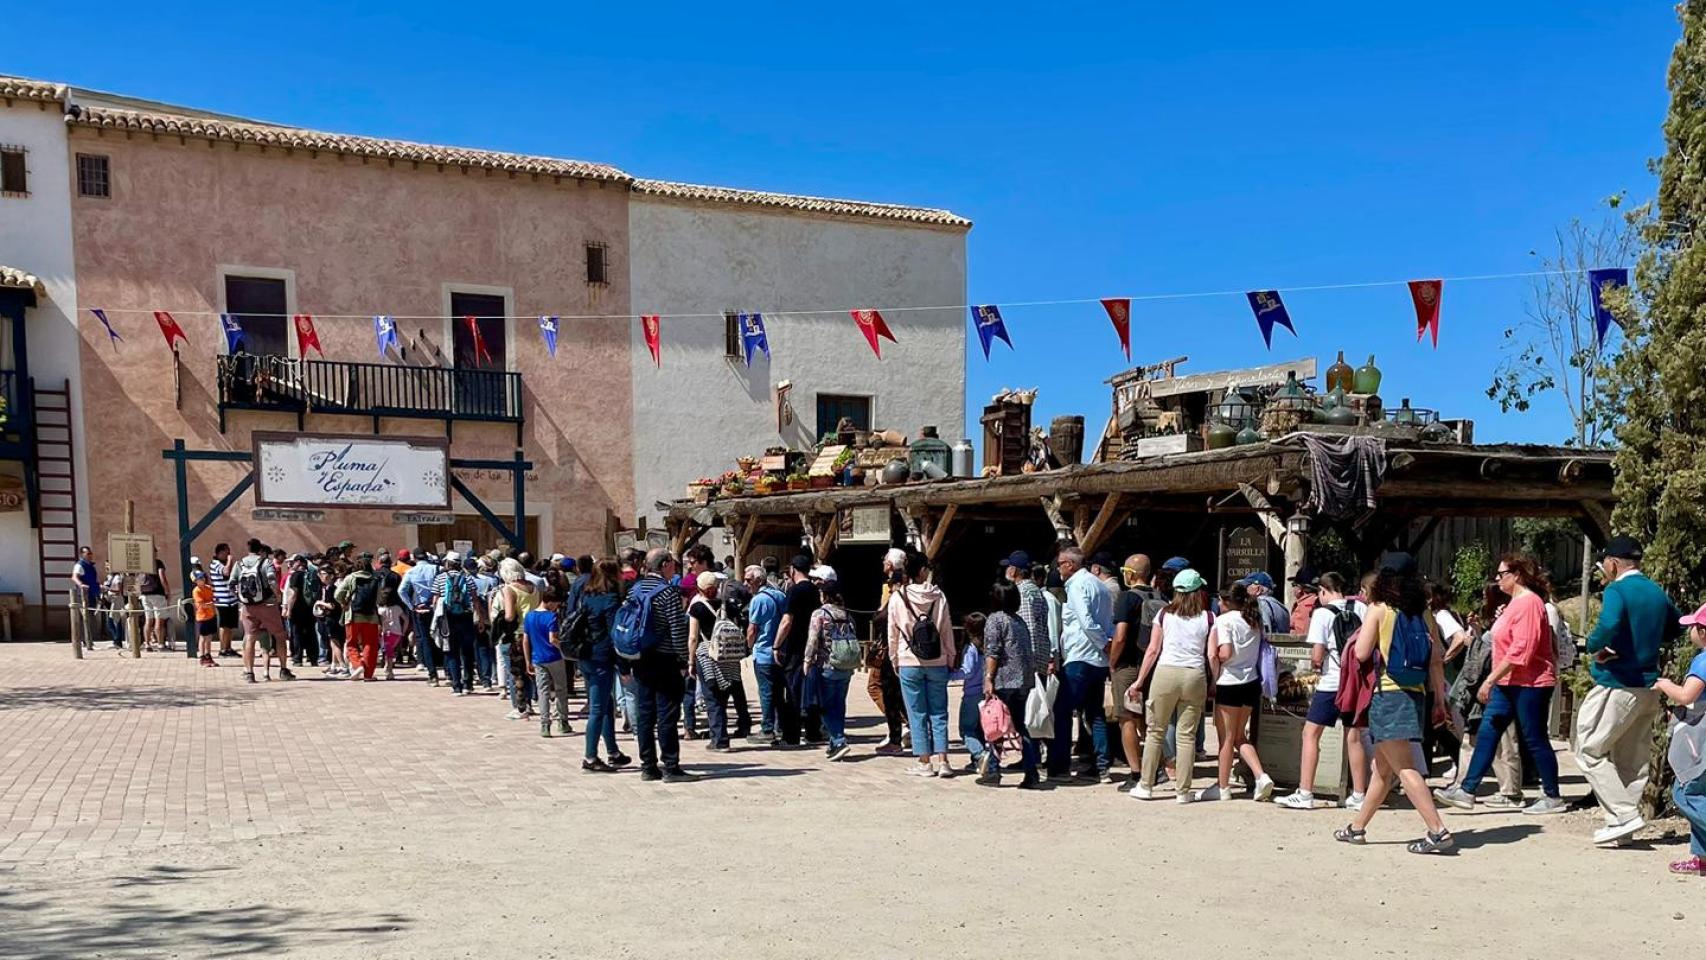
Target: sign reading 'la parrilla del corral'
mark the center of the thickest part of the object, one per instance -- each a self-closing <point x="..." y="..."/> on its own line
<point x="329" y="470"/>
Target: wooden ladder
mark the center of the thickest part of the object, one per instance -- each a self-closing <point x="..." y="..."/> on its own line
<point x="56" y="495"/>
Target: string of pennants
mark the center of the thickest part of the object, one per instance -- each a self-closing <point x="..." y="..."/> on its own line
<point x="1267" y="306"/>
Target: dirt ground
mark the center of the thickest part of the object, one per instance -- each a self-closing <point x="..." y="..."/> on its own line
<point x="156" y="809"/>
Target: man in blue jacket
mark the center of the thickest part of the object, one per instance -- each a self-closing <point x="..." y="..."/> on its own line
<point x="1614" y="725"/>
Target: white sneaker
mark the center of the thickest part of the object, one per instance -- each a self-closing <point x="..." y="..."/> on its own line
<point x="1213" y="793"/>
<point x="1297" y="801"/>
<point x="1545" y="806"/>
<point x="513" y="715"/>
<point x="1186" y="796"/>
<point x="1455" y="796"/>
<point x="1264" y="789"/>
<point x="1618" y="831"/>
<point x="1504" y="801"/>
<point x="1352" y="803"/>
<point x="1141" y="792"/>
<point x="1450" y="775"/>
<point x="921" y="770"/>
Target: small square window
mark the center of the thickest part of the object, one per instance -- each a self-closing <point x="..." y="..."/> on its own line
<point x="14" y="176"/>
<point x="93" y="176"/>
<point x="595" y="264"/>
<point x="731" y="336"/>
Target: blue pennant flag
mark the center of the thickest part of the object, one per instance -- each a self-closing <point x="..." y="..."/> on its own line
<point x="233" y="331"/>
<point x="1270" y="313"/>
<point x="384" y="333"/>
<point x="752" y="335"/>
<point x="1598" y="280"/>
<point x="548" y="330"/>
<point x="990" y="327"/>
<point x="112" y="335"/>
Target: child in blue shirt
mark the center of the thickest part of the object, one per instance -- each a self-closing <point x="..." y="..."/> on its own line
<point x="545" y="663"/>
<point x="970" y="671"/>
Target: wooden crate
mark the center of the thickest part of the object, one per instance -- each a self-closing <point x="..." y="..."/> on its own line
<point x="1006" y="436"/>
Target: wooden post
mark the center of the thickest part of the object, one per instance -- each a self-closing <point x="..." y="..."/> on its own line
<point x="78" y="601"/>
<point x="132" y="608"/>
<point x="940" y="535"/>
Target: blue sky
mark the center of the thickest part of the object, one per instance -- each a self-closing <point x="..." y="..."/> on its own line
<point x="1100" y="149"/>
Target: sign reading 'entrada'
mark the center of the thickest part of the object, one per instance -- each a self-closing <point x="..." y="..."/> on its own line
<point x="334" y="470"/>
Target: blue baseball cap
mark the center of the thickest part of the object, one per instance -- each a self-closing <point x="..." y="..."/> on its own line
<point x="1259" y="578"/>
<point x="1020" y="559"/>
<point x="1176" y="564"/>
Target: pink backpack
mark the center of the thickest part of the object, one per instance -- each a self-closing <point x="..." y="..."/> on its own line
<point x="997" y="723"/>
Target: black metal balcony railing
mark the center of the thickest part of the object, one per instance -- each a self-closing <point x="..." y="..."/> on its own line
<point x="376" y="390"/>
<point x="9" y="395"/>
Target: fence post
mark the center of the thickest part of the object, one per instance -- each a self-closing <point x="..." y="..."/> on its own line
<point x="75" y="605"/>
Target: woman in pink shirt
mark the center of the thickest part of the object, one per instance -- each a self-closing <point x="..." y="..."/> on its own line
<point x="1519" y="687"/>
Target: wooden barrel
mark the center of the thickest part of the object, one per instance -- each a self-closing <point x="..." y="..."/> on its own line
<point x="1066" y="439"/>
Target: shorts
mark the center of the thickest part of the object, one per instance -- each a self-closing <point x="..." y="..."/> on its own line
<point x="206" y="628"/>
<point x="1124" y="677"/>
<point x="1239" y="695"/>
<point x="1395" y="715"/>
<point x="227" y="617"/>
<point x="155" y="606"/>
<point x="262" y="618"/>
<point x="1324" y="709"/>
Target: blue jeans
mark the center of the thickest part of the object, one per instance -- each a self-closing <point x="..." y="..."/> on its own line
<point x="834" y="697"/>
<point x="766" y="706"/>
<point x="600" y="707"/>
<point x="971" y="724"/>
<point x="925" y="690"/>
<point x="459" y="658"/>
<point x="1691" y="800"/>
<point x="1081" y="691"/>
<point x="484" y="661"/>
<point x="1528" y="706"/>
<point x="657" y="687"/>
<point x="425" y="652"/>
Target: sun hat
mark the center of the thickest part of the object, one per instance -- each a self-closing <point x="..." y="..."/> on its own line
<point x="1695" y="619"/>
<point x="824" y="571"/>
<point x="1188" y="581"/>
<point x="1176" y="563"/>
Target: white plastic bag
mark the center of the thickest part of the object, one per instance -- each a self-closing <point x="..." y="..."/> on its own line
<point x="1039" y="707"/>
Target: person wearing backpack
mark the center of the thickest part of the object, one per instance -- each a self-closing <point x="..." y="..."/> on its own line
<point x="1403" y="641"/>
<point x="715" y="647"/>
<point x="650" y="633"/>
<point x="1333" y="624"/>
<point x="1134" y="621"/>
<point x="1008" y="676"/>
<point x="1687" y="754"/>
<point x="921" y="645"/>
<point x="358" y="594"/>
<point x="458" y="605"/>
<point x="588" y="631"/>
<point x="1517" y="689"/>
<point x="833" y="652"/>
<point x="256" y="587"/>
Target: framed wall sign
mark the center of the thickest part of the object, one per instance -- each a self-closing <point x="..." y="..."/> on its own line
<point x="336" y="470"/>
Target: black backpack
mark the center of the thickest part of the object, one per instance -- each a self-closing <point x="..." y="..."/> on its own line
<point x="925" y="640"/>
<point x="1346" y="623"/>
<point x="575" y="633"/>
<point x="364" y="601"/>
<point x="1147" y="614"/>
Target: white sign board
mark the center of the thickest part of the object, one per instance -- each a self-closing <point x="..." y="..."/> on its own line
<point x="324" y="470"/>
<point x="130" y="552"/>
<point x="865" y="524"/>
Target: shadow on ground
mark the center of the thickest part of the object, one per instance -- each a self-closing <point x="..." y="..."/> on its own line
<point x="118" y="698"/>
<point x="143" y="923"/>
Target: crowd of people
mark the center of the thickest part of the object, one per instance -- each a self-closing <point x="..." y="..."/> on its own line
<point x="657" y="640"/>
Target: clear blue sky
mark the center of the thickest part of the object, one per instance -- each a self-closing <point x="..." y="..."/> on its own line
<point x="1100" y="149"/>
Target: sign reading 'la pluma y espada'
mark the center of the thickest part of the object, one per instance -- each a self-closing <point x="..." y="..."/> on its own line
<point x="335" y="470"/>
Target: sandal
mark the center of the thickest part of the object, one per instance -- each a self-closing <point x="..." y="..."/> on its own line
<point x="1433" y="843"/>
<point x="1350" y="834"/>
<point x="1692" y="866"/>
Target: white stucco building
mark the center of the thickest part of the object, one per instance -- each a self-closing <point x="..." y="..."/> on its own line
<point x="37" y="178"/>
<point x="708" y="250"/>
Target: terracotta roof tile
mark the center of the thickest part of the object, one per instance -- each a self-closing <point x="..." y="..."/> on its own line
<point x="802" y="204"/>
<point x="17" y="88"/>
<point x="18" y="279"/>
<point x="279" y="136"/>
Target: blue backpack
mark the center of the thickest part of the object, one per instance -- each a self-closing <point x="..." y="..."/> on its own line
<point x="632" y="635"/>
<point x="455" y="594"/>
<point x="1412" y="647"/>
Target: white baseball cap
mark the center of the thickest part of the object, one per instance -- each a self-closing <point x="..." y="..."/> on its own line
<point x="824" y="571"/>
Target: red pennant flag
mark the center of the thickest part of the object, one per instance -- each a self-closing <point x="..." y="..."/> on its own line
<point x="1119" y="311"/>
<point x="306" y="336"/>
<point x="169" y="329"/>
<point x="1425" y="294"/>
<point x="872" y="326"/>
<point x="650" y="326"/>
<point x="481" y="355"/>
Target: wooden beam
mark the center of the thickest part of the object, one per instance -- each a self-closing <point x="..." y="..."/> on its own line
<point x="1104" y="522"/>
<point x="1596" y="522"/>
<point x="1062" y="529"/>
<point x="743" y="540"/>
<point x="1266" y="513"/>
<point x="940" y="535"/>
<point x="1423" y="535"/>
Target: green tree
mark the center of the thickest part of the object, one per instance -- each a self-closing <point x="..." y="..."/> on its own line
<point x="1659" y="379"/>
